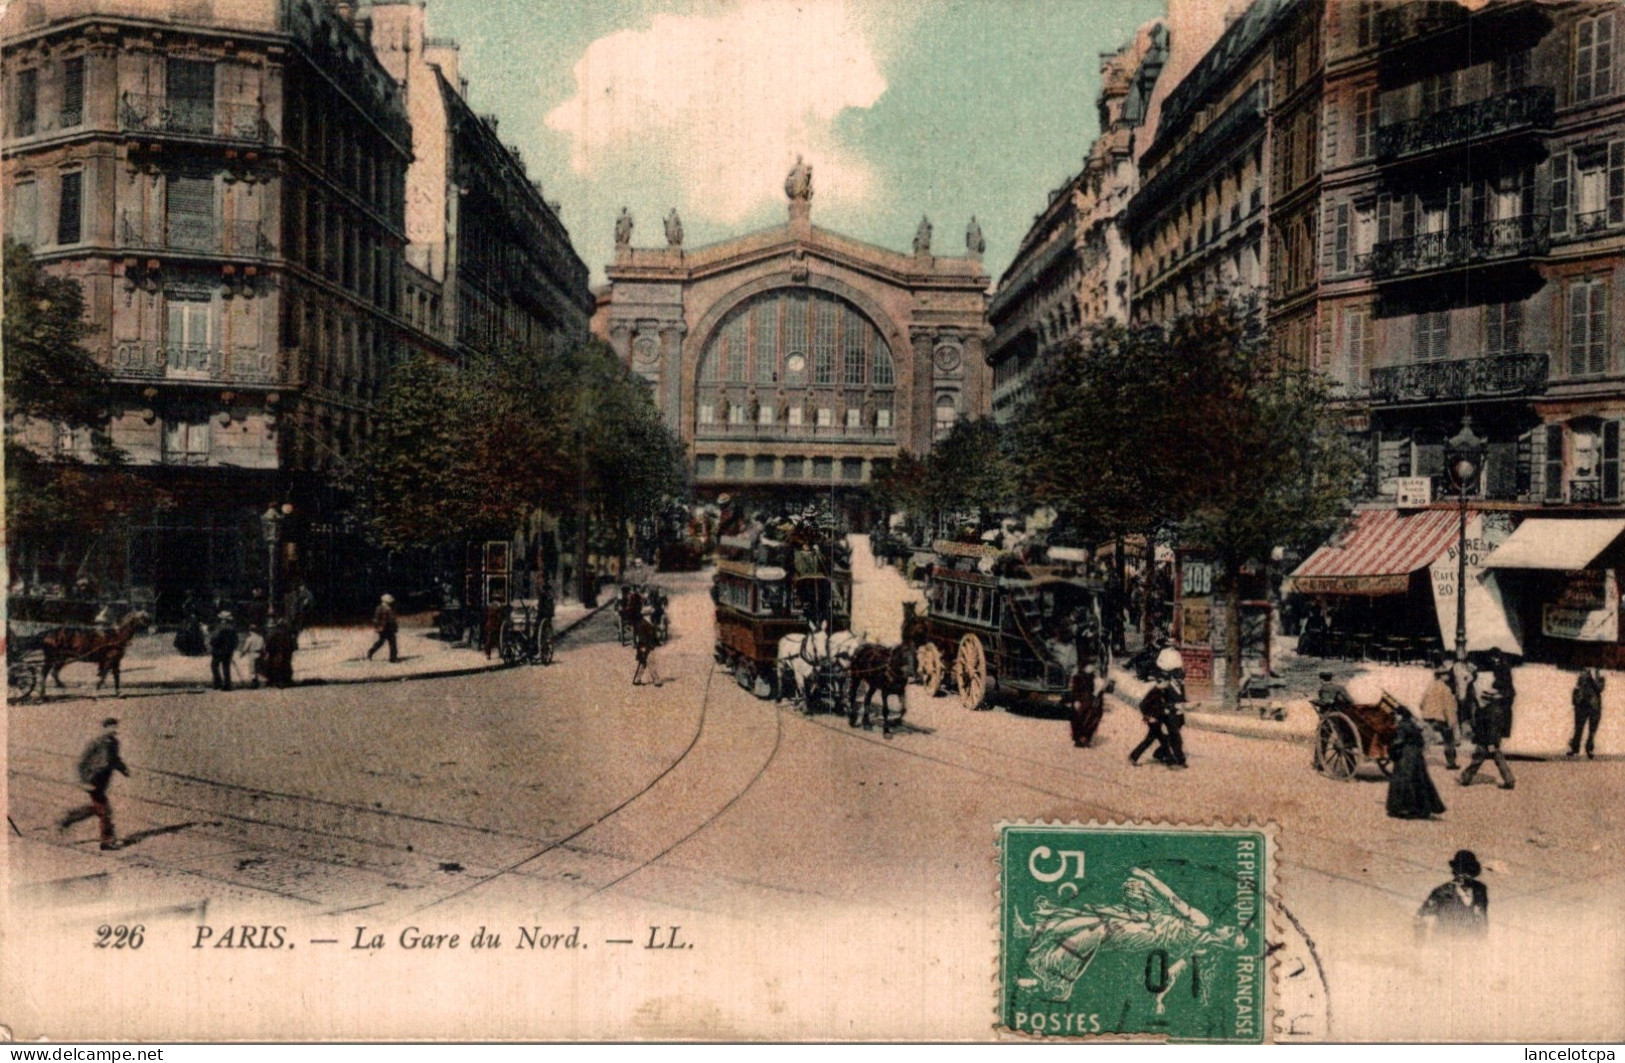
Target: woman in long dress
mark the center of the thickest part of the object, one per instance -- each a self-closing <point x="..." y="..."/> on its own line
<point x="1411" y="794"/>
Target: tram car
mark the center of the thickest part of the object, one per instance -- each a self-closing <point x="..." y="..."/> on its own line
<point x="766" y="589"/>
<point x="1001" y="629"/>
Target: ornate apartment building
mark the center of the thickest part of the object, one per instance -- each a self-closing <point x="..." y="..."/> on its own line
<point x="1472" y="230"/>
<point x="229" y="184"/>
<point x="795" y="362"/>
<point x="1072" y="268"/>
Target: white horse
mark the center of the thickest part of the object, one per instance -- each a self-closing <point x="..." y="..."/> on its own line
<point x="799" y="654"/>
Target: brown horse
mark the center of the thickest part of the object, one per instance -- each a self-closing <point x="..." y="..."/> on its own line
<point x="103" y="648"/>
<point x="887" y="669"/>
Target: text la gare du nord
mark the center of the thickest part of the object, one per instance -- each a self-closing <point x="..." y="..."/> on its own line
<point x="371" y="939"/>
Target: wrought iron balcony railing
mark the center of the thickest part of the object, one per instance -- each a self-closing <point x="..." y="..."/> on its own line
<point x="1496" y="376"/>
<point x="208" y="363"/>
<point x="1467" y="245"/>
<point x="1528" y="108"/>
<point x="1592" y="222"/>
<point x="239" y="239"/>
<point x="1585" y="490"/>
<point x="152" y="113"/>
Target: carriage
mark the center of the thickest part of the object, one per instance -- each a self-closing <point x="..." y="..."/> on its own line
<point x="1351" y="734"/>
<point x="25" y="665"/>
<point x="1003" y="629"/>
<point x="526" y="636"/>
<point x="82" y="631"/>
<point x="767" y="589"/>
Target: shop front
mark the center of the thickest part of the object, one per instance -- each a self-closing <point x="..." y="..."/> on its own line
<point x="1563" y="578"/>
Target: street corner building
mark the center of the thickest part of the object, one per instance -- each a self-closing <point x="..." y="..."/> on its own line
<point x="795" y="362"/>
<point x="268" y="204"/>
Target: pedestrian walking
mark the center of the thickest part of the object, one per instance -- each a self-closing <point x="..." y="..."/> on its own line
<point x="1587" y="699"/>
<point x="644" y="640"/>
<point x="251" y="655"/>
<point x="1087" y="699"/>
<point x="386" y="625"/>
<point x="222" y="646"/>
<point x="1411" y="793"/>
<point x="96" y="767"/>
<point x="1160" y="711"/>
<point x="1440" y="709"/>
<point x="1490" y="726"/>
<point x="189" y="639"/>
<point x="1460" y="907"/>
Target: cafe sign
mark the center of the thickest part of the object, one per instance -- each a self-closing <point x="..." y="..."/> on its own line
<point x="1586" y="610"/>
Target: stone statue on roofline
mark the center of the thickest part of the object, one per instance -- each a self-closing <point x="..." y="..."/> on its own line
<point x="623" y="229"/>
<point x="674" y="229"/>
<point x="798" y="185"/>
<point x="973" y="238"/>
<point x="922" y="237"/>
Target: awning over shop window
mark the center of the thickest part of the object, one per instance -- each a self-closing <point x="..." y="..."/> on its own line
<point x="1557" y="545"/>
<point x="1376" y="552"/>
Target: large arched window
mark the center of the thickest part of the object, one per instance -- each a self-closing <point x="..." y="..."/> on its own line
<point x="758" y="341"/>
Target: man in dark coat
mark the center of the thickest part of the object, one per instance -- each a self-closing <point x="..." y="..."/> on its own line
<point x="1491" y="723"/>
<point x="386" y="625"/>
<point x="96" y="767"/>
<point x="1163" y="721"/>
<point x="222" y="647"/>
<point x="1461" y="906"/>
<point x="644" y="640"/>
<point x="1587" y="710"/>
<point x="1087" y="700"/>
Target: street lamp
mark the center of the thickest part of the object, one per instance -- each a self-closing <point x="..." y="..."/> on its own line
<point x="271" y="529"/>
<point x="1464" y="458"/>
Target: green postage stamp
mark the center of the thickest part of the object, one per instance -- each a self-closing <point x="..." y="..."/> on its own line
<point x="1134" y="931"/>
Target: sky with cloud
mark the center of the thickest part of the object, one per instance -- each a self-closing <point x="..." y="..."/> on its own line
<point x="904" y="108"/>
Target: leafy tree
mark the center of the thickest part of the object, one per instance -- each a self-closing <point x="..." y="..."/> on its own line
<point x="1267" y="459"/>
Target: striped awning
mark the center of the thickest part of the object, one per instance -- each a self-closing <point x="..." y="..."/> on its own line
<point x="1376" y="552"/>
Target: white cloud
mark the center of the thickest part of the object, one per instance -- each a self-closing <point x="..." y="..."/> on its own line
<point x="721" y="104"/>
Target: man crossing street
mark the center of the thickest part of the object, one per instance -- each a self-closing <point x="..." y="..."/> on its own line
<point x="96" y="767"/>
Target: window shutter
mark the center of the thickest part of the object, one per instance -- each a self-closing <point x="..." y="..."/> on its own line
<point x="73" y="91"/>
<point x="1407" y="217"/>
<point x="191" y="212"/>
<point x="1342" y="237"/>
<point x="1602" y="71"/>
<point x="1560" y="192"/>
<point x="1554" y="463"/>
<point x="27" y="102"/>
<point x="70" y="208"/>
<point x="1494" y="337"/>
<point x="1597" y="338"/>
<point x="1578" y="307"/>
<point x="1385" y="209"/>
<point x="1610" y="461"/>
<point x="1616" y="182"/>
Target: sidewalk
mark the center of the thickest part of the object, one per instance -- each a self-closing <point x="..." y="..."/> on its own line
<point x="1542" y="719"/>
<point x="327" y="655"/>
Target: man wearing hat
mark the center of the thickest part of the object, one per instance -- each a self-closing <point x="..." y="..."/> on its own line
<point x="1439" y="708"/>
<point x="222" y="647"/>
<point x="384" y="622"/>
<point x="1332" y="696"/>
<point x="96" y="767"/>
<point x="1460" y="906"/>
<point x="1160" y="710"/>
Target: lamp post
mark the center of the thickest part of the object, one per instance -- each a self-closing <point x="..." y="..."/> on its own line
<point x="1464" y="458"/>
<point x="271" y="529"/>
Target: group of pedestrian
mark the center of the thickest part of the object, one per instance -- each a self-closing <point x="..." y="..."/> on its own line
<point x="645" y="632"/>
<point x="262" y="652"/>
<point x="1160" y="710"/>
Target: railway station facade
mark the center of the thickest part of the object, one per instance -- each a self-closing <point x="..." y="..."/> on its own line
<point x="796" y="363"/>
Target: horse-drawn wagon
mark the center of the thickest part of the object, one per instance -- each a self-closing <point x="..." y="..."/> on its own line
<point x="1354" y="731"/>
<point x="1000" y="628"/>
<point x="44" y="636"/>
<point x="767" y="589"/>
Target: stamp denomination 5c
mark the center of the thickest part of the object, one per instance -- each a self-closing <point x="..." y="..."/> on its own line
<point x="1134" y="931"/>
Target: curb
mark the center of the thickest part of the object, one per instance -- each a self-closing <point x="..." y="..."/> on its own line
<point x="154" y="689"/>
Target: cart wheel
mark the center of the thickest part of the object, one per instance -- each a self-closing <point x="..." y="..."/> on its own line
<point x="970" y="672"/>
<point x="21" y="681"/>
<point x="931" y="668"/>
<point x="512" y="652"/>
<point x="1336" y="747"/>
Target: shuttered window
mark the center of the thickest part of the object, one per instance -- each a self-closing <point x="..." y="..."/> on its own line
<point x="1358" y="343"/>
<point x="1503" y="328"/>
<point x="1341" y="240"/>
<point x="73" y="91"/>
<point x="190" y="95"/>
<point x="25" y="212"/>
<point x="1432" y="336"/>
<point x="1560" y="191"/>
<point x="1610" y="461"/>
<point x="25" y="113"/>
<point x="70" y="208"/>
<point x="1554" y="463"/>
<point x="1616" y="182"/>
<point x="1588" y="327"/>
<point x="1593" y="57"/>
<point x="190" y="221"/>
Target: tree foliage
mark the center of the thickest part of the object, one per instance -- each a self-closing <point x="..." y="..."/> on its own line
<point x="968" y="471"/>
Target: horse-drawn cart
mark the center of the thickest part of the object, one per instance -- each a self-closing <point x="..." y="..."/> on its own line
<point x="44" y="636"/>
<point x="766" y="590"/>
<point x="1001" y="628"/>
<point x="1350" y="735"/>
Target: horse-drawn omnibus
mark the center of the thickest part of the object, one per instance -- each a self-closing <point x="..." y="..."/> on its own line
<point x="1001" y="629"/>
<point x="765" y="589"/>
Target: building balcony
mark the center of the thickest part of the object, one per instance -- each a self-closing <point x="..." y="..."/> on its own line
<point x="1496" y="376"/>
<point x="1505" y="240"/>
<point x="194" y="363"/>
<point x="1524" y="110"/>
<point x="158" y="115"/>
<point x="1585" y="491"/>
<point x="1592" y="223"/>
<point x="772" y="433"/>
<point x="233" y="239"/>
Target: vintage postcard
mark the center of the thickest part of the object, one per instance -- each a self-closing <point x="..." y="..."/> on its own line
<point x="850" y="520"/>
